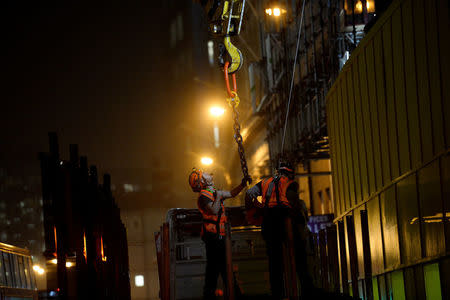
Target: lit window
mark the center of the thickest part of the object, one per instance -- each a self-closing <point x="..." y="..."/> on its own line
<point x="139" y="280"/>
<point x="211" y="52"/>
<point x="128" y="187"/>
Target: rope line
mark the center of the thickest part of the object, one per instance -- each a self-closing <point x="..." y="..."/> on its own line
<point x="293" y="74"/>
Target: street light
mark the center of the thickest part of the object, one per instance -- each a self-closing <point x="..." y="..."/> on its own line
<point x="217" y="111"/>
<point x="206" y="160"/>
<point x="275" y="17"/>
<point x="274" y="8"/>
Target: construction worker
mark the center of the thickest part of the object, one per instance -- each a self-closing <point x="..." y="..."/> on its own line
<point x="280" y="201"/>
<point x="210" y="204"/>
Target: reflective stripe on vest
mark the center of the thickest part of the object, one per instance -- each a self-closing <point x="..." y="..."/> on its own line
<point x="272" y="201"/>
<point x="211" y="223"/>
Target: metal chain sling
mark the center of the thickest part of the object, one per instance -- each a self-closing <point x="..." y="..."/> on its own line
<point x="233" y="101"/>
<point x="232" y="66"/>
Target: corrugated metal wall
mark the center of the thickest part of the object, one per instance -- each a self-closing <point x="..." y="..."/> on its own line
<point x="389" y="125"/>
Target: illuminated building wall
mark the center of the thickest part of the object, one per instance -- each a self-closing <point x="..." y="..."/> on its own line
<point x="389" y="127"/>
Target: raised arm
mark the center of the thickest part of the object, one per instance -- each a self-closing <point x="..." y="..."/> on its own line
<point x="235" y="191"/>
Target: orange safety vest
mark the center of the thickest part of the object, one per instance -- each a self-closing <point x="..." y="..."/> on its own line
<point x="275" y="194"/>
<point x="212" y="223"/>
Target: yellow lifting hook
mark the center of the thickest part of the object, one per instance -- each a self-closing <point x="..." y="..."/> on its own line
<point x="227" y="16"/>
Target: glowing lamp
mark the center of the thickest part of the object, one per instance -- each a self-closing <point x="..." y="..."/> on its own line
<point x="217" y="111"/>
<point x="274" y="8"/>
<point x="206" y="161"/>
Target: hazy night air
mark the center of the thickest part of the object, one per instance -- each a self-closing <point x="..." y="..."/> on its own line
<point x="124" y="125"/>
<point x="93" y="74"/>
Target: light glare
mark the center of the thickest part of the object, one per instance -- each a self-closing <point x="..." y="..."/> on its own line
<point x="276" y="12"/>
<point x="217" y="111"/>
<point x="139" y="280"/>
<point x="206" y="160"/>
<point x="38" y="269"/>
<point x="54" y="261"/>
<point x="269" y="11"/>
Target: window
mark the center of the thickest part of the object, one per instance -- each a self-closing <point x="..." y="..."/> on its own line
<point x="8" y="275"/>
<point x="139" y="280"/>
<point x="211" y="53"/>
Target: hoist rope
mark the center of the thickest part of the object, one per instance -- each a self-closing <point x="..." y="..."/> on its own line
<point x="293" y="74"/>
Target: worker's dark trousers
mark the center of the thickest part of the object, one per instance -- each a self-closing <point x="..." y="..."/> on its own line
<point x="274" y="233"/>
<point x="215" y="265"/>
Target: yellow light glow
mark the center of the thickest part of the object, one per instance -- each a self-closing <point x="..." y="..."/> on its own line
<point x="358" y="7"/>
<point x="276" y="12"/>
<point x="217" y="111"/>
<point x="54" y="261"/>
<point x="206" y="160"/>
<point x="38" y="269"/>
<point x="69" y="264"/>
<point x="269" y="11"/>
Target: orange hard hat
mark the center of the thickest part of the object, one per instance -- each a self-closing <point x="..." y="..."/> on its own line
<point x="196" y="180"/>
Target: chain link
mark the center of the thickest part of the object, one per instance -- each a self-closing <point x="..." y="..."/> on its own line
<point x="239" y="141"/>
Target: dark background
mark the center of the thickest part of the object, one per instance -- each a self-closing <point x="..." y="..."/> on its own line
<point x="95" y="75"/>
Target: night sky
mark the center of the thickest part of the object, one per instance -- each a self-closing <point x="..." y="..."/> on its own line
<point x="95" y="75"/>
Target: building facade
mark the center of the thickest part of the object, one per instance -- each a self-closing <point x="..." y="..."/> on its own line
<point x="388" y="121"/>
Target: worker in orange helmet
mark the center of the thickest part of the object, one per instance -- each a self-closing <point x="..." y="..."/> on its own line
<point x="210" y="205"/>
<point x="280" y="201"/>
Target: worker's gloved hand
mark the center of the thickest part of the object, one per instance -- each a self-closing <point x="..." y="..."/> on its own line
<point x="245" y="180"/>
<point x="252" y="193"/>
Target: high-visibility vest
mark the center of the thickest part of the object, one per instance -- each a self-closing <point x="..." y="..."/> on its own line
<point x="212" y="223"/>
<point x="275" y="194"/>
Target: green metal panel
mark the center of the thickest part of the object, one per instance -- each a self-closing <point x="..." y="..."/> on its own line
<point x="375" y="236"/>
<point x="336" y="151"/>
<point x="360" y="131"/>
<point x="390" y="100"/>
<point x="400" y="101"/>
<point x="332" y="136"/>
<point x="444" y="48"/>
<point x="408" y="220"/>
<point x="355" y="142"/>
<point x="343" y="148"/>
<point x="398" y="285"/>
<point x="411" y="86"/>
<point x="340" y="152"/>
<point x="432" y="281"/>
<point x="376" y="295"/>
<point x="422" y="79"/>
<point x="348" y="140"/>
<point x="432" y="210"/>
<point x="371" y="84"/>
<point x="434" y="76"/>
<point x="365" y="107"/>
<point x="388" y="207"/>
<point x="381" y="104"/>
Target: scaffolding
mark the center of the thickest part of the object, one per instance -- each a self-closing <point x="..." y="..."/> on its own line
<point x="329" y="33"/>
